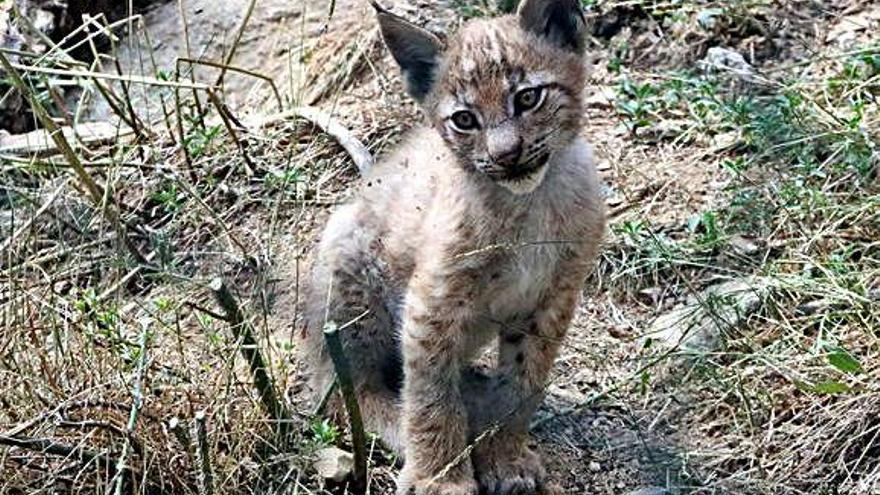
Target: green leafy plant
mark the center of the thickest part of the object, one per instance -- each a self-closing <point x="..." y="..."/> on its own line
<point x="199" y="140"/>
<point x="324" y="432"/>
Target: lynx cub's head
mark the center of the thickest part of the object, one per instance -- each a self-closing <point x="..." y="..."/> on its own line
<point x="504" y="93"/>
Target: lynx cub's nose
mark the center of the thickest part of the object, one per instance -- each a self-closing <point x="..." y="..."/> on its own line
<point x="504" y="145"/>
<point x="508" y="158"/>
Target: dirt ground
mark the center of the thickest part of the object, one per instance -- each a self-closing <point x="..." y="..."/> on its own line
<point x="608" y="426"/>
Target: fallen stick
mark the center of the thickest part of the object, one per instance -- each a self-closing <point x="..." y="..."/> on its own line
<point x="359" y="153"/>
<point x="105" y="204"/>
<point x="250" y="350"/>
<point x="85" y="456"/>
<point x="40" y="143"/>
<point x="206" y="480"/>
<point x="176" y="427"/>
<point x="346" y="386"/>
<point x="51" y="447"/>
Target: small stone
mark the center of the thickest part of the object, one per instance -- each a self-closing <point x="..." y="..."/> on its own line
<point x="744" y="245"/>
<point x="334" y="464"/>
<point x="720" y="59"/>
<point x="595" y="466"/>
<point x="650" y="490"/>
<point x="701" y="323"/>
<point x="727" y="140"/>
<point x="620" y="332"/>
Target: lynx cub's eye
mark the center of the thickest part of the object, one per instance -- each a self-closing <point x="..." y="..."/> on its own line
<point x="527" y="99"/>
<point x="464" y="121"/>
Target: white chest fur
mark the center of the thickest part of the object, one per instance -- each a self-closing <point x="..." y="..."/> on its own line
<point x="526" y="269"/>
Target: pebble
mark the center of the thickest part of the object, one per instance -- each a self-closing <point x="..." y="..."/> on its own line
<point x="334" y="464"/>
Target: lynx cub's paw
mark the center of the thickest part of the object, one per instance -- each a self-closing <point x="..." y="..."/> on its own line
<point x="521" y="476"/>
<point x="407" y="484"/>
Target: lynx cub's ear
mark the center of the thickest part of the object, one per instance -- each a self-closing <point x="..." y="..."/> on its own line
<point x="416" y="51"/>
<point x="559" y="21"/>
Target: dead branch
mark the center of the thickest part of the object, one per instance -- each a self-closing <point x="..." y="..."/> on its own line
<point x="206" y="480"/>
<point x="359" y="153"/>
<point x="250" y="350"/>
<point x="346" y="386"/>
<point x="39" y="142"/>
<point x="136" y="403"/>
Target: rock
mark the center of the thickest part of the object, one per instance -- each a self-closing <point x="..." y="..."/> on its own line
<point x="727" y="140"/>
<point x="651" y="490"/>
<point x="744" y="245"/>
<point x="700" y="324"/>
<point x="334" y="464"/>
<point x="720" y="60"/>
<point x="595" y="466"/>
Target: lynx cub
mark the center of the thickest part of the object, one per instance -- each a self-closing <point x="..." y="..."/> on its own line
<point x="479" y="228"/>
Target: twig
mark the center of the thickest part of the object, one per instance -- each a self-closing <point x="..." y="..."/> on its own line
<point x="240" y="70"/>
<point x="325" y="398"/>
<point x="192" y="74"/>
<point x="85" y="456"/>
<point x="37" y="143"/>
<point x="250" y="350"/>
<point x="150" y="81"/>
<point x="238" y="34"/>
<point x="346" y="386"/>
<point x="359" y="153"/>
<point x="206" y="481"/>
<point x="47" y="446"/>
<point x="224" y="116"/>
<point x="175" y="426"/>
<point x="84" y="424"/>
<point x="136" y="404"/>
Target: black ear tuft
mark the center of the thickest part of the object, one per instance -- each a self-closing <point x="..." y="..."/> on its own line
<point x="559" y="21"/>
<point x="416" y="51"/>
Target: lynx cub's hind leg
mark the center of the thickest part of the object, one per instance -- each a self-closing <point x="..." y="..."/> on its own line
<point x="348" y="288"/>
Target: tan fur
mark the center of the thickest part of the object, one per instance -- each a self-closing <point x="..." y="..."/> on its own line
<point x="440" y="254"/>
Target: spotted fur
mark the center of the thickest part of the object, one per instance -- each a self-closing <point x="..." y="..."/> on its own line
<point x="464" y="237"/>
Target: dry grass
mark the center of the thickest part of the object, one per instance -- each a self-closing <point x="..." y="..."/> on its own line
<point x="112" y="344"/>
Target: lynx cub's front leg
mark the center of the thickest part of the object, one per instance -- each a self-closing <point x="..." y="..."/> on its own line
<point x="435" y="422"/>
<point x="503" y="461"/>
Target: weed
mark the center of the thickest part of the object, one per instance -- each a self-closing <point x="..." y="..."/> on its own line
<point x="282" y="180"/>
<point x="324" y="432"/>
<point x="199" y="139"/>
<point x="169" y="197"/>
